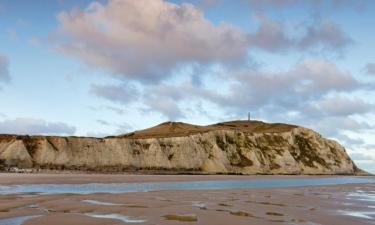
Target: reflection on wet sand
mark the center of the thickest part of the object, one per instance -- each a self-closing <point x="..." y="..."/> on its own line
<point x="361" y="196"/>
<point x="122" y="218"/>
<point x="95" y="202"/>
<point x="349" y="204"/>
<point x="19" y="220"/>
<point x="362" y="214"/>
<point x="199" y="205"/>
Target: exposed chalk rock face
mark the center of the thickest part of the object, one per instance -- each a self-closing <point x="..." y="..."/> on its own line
<point x="243" y="147"/>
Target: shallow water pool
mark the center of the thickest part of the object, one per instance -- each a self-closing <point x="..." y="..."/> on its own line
<point x="186" y="185"/>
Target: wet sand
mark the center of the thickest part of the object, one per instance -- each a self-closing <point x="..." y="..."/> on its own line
<point x="311" y="205"/>
<point x="82" y="178"/>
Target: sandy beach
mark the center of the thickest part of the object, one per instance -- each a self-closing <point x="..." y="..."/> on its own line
<point x="331" y="204"/>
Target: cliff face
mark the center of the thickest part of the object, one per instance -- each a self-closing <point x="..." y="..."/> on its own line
<point x="233" y="147"/>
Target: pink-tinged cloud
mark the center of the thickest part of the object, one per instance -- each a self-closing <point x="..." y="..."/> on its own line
<point x="147" y="39"/>
<point x="273" y="36"/>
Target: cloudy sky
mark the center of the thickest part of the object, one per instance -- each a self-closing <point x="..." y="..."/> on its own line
<point x="94" y="68"/>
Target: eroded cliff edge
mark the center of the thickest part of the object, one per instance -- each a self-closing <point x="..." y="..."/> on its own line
<point x="241" y="147"/>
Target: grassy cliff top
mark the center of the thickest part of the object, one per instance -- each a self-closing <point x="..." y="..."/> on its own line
<point x="178" y="129"/>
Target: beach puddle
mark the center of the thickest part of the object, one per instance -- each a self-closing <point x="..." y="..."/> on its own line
<point x="361" y="196"/>
<point x="95" y="202"/>
<point x="347" y="203"/>
<point x="17" y="220"/>
<point x="35" y="206"/>
<point x="32" y="195"/>
<point x="181" y="218"/>
<point x="199" y="205"/>
<point x="302" y="222"/>
<point x="120" y="217"/>
<point x="359" y="214"/>
<point x="5" y="188"/>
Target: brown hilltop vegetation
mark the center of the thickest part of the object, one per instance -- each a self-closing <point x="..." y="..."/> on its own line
<point x="178" y="129"/>
<point x="235" y="147"/>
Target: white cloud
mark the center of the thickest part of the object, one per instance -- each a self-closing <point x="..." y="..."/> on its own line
<point x="370" y="68"/>
<point x="164" y="105"/>
<point x="118" y="129"/>
<point x="103" y="122"/>
<point x="349" y="141"/>
<point x="311" y="89"/>
<point x="361" y="157"/>
<point x="123" y="93"/>
<point x="339" y="106"/>
<point x="98" y="134"/>
<point x="34" y="126"/>
<point x="364" y="160"/>
<point x="335" y="125"/>
<point x="4" y="69"/>
<point x="325" y="34"/>
<point x="117" y="110"/>
<point x="306" y="81"/>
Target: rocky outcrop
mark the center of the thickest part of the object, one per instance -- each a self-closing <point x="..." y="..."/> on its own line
<point x="241" y="147"/>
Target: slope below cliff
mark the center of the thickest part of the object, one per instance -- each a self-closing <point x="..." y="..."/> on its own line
<point x="241" y="147"/>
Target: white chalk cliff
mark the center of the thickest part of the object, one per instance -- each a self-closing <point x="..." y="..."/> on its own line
<point x="240" y="147"/>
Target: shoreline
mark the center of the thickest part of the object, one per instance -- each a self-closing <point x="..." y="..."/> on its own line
<point x="84" y="178"/>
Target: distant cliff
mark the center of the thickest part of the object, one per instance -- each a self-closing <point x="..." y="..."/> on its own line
<point x="241" y="147"/>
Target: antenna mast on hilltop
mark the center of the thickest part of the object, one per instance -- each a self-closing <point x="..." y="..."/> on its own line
<point x="248" y="116"/>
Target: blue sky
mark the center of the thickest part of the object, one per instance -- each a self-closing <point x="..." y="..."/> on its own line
<point x="94" y="68"/>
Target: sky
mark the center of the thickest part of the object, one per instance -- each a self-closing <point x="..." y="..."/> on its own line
<point x="97" y="68"/>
